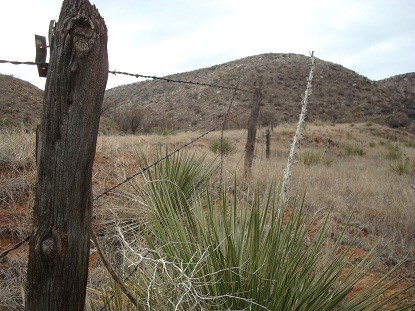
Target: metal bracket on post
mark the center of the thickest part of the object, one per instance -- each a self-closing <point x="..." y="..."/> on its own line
<point x="41" y="53"/>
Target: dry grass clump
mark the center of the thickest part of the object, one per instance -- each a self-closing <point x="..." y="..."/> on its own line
<point x="17" y="148"/>
<point x="309" y="157"/>
<point x="404" y="166"/>
<point x="12" y="280"/>
<point x="351" y="150"/>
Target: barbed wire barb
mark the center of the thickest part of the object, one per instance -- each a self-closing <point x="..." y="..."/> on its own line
<point x="137" y="75"/>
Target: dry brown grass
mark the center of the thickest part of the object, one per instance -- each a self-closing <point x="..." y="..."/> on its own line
<point x="382" y="200"/>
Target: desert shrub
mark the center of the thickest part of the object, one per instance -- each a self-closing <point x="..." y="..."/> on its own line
<point x="5" y="122"/>
<point x="310" y="158"/>
<point x="158" y="125"/>
<point x="404" y="166"/>
<point x="107" y="126"/>
<point x="207" y="251"/>
<point x="398" y="121"/>
<point x="394" y="152"/>
<point x="372" y="144"/>
<point x="222" y="146"/>
<point x="129" y="121"/>
<point x="351" y="150"/>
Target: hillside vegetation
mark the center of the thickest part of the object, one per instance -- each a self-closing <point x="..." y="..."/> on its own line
<point x="339" y="95"/>
<point x="20" y="102"/>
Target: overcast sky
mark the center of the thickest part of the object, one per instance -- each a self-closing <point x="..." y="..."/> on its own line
<point x="375" y="38"/>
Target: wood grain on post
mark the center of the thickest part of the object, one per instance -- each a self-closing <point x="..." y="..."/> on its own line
<point x="252" y="126"/>
<point x="75" y="86"/>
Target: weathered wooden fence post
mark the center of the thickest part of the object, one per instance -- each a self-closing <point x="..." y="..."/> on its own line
<point x="267" y="143"/>
<point x="252" y="125"/>
<point x="75" y="86"/>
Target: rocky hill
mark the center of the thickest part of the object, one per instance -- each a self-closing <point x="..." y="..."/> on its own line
<point x="20" y="101"/>
<point x="339" y="95"/>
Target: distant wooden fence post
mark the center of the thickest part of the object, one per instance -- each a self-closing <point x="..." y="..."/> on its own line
<point x="267" y="143"/>
<point x="76" y="79"/>
<point x="252" y="126"/>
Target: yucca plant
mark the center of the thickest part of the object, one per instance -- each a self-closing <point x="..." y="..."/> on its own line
<point x="206" y="252"/>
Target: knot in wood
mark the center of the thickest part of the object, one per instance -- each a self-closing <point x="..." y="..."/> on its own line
<point x="84" y="36"/>
<point x="49" y="247"/>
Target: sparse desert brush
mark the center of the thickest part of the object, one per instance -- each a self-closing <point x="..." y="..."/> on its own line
<point x="310" y="157"/>
<point x="404" y="166"/>
<point x="222" y="146"/>
<point x="394" y="152"/>
<point x="353" y="149"/>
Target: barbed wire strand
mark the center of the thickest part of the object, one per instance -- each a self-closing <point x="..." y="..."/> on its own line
<point x="180" y="81"/>
<point x="137" y="75"/>
<point x="15" y="246"/>
<point x="15" y="62"/>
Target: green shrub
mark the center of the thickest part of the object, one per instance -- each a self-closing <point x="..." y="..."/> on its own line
<point x="394" y="152"/>
<point x="310" y="158"/>
<point x="403" y="167"/>
<point x="214" y="252"/>
<point x="372" y="144"/>
<point x="5" y="122"/>
<point x="351" y="150"/>
<point x="222" y="146"/>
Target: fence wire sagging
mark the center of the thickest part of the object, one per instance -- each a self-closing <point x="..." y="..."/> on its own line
<point x="144" y="169"/>
<point x="141" y="171"/>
